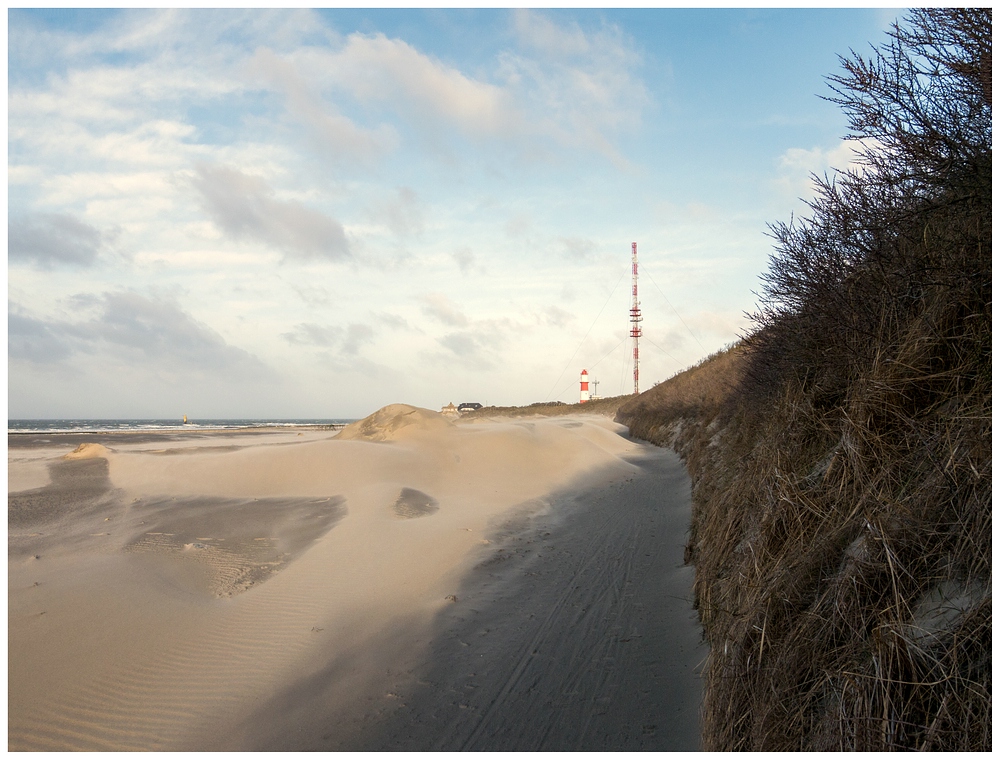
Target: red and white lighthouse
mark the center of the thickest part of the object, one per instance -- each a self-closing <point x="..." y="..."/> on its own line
<point x="584" y="387"/>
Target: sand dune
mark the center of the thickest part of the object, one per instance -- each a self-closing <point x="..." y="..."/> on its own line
<point x="88" y="451"/>
<point x="158" y="594"/>
<point x="396" y="422"/>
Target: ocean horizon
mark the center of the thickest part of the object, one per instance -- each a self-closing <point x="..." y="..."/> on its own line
<point x="80" y="425"/>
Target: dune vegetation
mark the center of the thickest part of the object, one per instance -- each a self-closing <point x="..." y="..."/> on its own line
<point x="603" y="406"/>
<point x="841" y="453"/>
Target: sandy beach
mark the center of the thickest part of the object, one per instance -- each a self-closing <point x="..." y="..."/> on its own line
<point x="410" y="583"/>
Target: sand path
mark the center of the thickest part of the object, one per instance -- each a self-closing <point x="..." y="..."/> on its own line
<point x="309" y="593"/>
<point x="573" y="630"/>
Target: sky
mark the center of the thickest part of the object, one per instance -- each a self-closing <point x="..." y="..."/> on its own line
<point x="313" y="214"/>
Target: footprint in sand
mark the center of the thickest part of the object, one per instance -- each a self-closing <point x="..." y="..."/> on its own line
<point x="412" y="503"/>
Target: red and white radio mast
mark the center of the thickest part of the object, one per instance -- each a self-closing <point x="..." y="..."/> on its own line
<point x="634" y="316"/>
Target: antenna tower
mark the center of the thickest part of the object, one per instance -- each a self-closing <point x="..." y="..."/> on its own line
<point x="634" y="316"/>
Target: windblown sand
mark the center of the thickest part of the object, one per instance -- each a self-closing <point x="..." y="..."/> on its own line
<point x="283" y="591"/>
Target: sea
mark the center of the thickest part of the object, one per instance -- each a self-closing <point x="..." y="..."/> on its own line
<point x="105" y="426"/>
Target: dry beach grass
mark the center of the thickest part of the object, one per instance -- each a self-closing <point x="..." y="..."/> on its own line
<point x="841" y="455"/>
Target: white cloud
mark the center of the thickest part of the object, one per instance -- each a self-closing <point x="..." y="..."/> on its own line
<point x="245" y="208"/>
<point x="465" y="259"/>
<point x="545" y="37"/>
<point x="307" y="334"/>
<point x="355" y="335"/>
<point x="71" y="188"/>
<point x="553" y="316"/>
<point x="577" y="249"/>
<point x="439" y="307"/>
<point x="519" y="225"/>
<point x="338" y="137"/>
<point x="34" y="340"/>
<point x="102" y="95"/>
<point x="206" y="260"/>
<point x="48" y="240"/>
<point x="566" y="88"/>
<point x="349" y="339"/>
<point x="798" y="165"/>
<point x="140" y="330"/>
<point x="393" y="321"/>
<point x="476" y="348"/>
<point x="313" y="295"/>
<point x="24" y="174"/>
<point x="378" y="69"/>
<point x="402" y="214"/>
<point x="582" y="88"/>
<point x="724" y="325"/>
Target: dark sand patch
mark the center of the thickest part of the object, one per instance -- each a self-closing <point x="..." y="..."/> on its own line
<point x="412" y="503"/>
<point x="76" y="487"/>
<point x="238" y="543"/>
<point x="131" y="437"/>
<point x="232" y="544"/>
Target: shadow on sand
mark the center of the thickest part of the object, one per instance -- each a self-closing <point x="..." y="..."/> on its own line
<point x="574" y="630"/>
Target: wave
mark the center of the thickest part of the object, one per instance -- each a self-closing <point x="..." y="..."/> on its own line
<point x="104" y="426"/>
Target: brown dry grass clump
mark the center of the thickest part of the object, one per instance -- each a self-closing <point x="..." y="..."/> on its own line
<point x="672" y="412"/>
<point x="842" y="532"/>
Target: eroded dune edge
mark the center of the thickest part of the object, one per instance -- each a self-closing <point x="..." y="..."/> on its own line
<point x="159" y="592"/>
<point x="841" y="452"/>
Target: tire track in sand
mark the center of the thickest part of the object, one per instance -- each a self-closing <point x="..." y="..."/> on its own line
<point x="584" y="639"/>
<point x="544" y="629"/>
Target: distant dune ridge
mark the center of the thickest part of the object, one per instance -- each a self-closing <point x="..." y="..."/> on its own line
<point x="394" y="422"/>
<point x="159" y="591"/>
